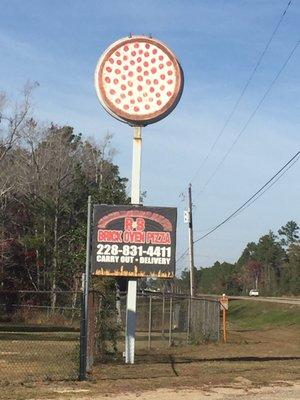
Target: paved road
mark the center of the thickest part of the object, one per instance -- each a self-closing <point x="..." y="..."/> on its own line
<point x="282" y="300"/>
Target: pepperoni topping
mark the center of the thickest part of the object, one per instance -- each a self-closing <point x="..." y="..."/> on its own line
<point x="146" y="71"/>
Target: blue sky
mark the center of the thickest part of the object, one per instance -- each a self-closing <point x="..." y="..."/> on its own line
<point x="58" y="43"/>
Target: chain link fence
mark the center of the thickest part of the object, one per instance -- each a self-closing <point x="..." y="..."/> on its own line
<point x="39" y="335"/>
<point x="40" y="332"/>
<point x="163" y="321"/>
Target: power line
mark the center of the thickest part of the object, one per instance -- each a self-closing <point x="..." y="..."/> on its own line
<point x="252" y="197"/>
<point x="283" y="170"/>
<point x="237" y="103"/>
<point x="251" y="117"/>
<point x="267" y="188"/>
<point x="182" y="255"/>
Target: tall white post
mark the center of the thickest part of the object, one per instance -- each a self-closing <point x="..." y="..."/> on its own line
<point x="136" y="165"/>
<point x="132" y="284"/>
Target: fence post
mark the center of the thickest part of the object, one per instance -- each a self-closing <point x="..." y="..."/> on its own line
<point x="205" y="318"/>
<point x="188" y="321"/>
<point x="150" y="322"/>
<point x="212" y="321"/>
<point x="218" y="321"/>
<point x="85" y="308"/>
<point x="170" y="320"/>
<point x="224" y="325"/>
<point x="163" y="316"/>
<point x="82" y="354"/>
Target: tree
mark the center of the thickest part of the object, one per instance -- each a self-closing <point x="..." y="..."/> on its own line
<point x="13" y="123"/>
<point x="53" y="171"/>
<point x="272" y="256"/>
<point x="254" y="269"/>
<point x="247" y="254"/>
<point x="267" y="264"/>
<point x="290" y="232"/>
<point x="292" y="270"/>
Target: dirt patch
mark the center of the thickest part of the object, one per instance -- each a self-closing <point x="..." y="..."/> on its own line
<point x="217" y="393"/>
<point x="281" y="390"/>
<point x="251" y="359"/>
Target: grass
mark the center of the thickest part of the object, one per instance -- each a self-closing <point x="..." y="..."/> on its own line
<point x="263" y="348"/>
<point x="262" y="315"/>
<point x="26" y="356"/>
<point x="250" y="358"/>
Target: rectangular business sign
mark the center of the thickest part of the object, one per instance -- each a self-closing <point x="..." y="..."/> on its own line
<point x="134" y="241"/>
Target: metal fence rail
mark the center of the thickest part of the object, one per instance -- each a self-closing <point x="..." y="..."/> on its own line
<point x="39" y="335"/>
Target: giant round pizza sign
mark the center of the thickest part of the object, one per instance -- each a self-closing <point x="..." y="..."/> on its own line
<point x="138" y="80"/>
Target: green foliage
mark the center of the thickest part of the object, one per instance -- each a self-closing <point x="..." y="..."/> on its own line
<point x="291" y="271"/>
<point x="108" y="327"/>
<point x="271" y="265"/>
<point x="290" y="233"/>
<point x="53" y="174"/>
<point x="220" y="278"/>
<point x="258" y="315"/>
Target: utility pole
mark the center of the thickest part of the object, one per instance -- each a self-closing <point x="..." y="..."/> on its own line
<point x="191" y="241"/>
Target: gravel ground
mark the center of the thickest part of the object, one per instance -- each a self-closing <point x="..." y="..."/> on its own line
<point x="290" y="392"/>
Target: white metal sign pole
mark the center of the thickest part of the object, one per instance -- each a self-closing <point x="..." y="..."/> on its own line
<point x="132" y="284"/>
